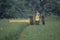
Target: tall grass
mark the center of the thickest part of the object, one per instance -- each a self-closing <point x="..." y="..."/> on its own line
<point x="10" y="31"/>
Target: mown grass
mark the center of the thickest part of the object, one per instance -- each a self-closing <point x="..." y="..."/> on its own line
<point x="23" y="31"/>
<point x="10" y="31"/>
<point x="49" y="31"/>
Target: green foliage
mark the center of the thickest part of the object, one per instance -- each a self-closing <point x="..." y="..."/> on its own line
<point x="20" y="8"/>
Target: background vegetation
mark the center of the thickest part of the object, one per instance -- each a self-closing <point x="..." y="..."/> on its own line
<point x="21" y="8"/>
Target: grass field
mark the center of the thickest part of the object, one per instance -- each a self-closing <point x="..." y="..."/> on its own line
<point x="24" y="31"/>
<point x="10" y="31"/>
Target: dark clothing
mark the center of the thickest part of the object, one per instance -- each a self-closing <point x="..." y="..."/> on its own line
<point x="42" y="17"/>
<point x="43" y="20"/>
<point x="31" y="20"/>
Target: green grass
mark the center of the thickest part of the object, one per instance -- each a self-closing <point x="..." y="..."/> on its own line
<point x="49" y="31"/>
<point x="23" y="31"/>
<point x="10" y="31"/>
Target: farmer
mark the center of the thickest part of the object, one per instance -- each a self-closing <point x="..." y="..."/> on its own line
<point x="43" y="19"/>
<point x="37" y="17"/>
<point x="31" y="20"/>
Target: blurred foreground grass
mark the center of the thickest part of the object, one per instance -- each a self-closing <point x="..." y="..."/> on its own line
<point x="23" y="31"/>
<point x="10" y="31"/>
<point x="49" y="31"/>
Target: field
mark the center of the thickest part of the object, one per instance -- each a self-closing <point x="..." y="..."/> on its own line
<point x="24" y="31"/>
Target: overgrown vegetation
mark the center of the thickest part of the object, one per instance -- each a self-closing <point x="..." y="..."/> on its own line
<point x="20" y="8"/>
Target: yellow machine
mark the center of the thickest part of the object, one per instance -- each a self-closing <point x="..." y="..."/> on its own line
<point x="32" y="20"/>
<point x="26" y="20"/>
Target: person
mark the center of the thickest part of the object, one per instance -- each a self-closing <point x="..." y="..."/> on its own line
<point x="43" y="19"/>
<point x="37" y="17"/>
<point x="31" y="20"/>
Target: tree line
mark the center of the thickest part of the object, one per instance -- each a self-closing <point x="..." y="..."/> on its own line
<point x="20" y="8"/>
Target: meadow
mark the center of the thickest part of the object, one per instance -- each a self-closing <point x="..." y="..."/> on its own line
<point x="24" y="31"/>
<point x="10" y="31"/>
